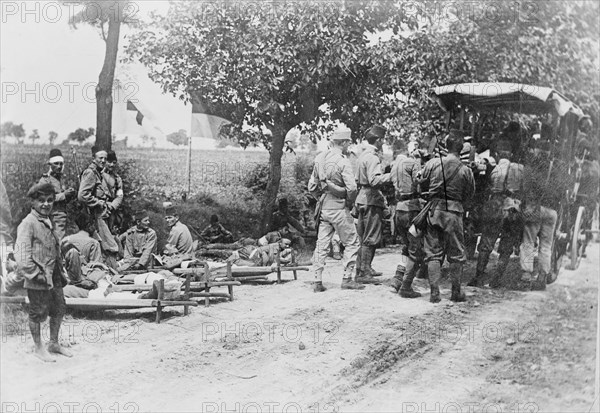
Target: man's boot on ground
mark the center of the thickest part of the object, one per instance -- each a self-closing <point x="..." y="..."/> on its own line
<point x="456" y="270"/>
<point x="406" y="290"/>
<point x="372" y="272"/>
<point x="498" y="277"/>
<point x="398" y="277"/>
<point x="482" y="261"/>
<point x="540" y="283"/>
<point x="347" y="282"/>
<point x="435" y="272"/>
<point x="363" y="275"/>
<point x="318" y="285"/>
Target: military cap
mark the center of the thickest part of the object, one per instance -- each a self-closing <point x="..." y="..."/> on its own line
<point x="376" y="131"/>
<point x="44" y="188"/>
<point x="111" y="156"/>
<point x="341" y="135"/>
<point x="141" y="214"/>
<point x="96" y="149"/>
<point x="55" y="156"/>
<point x="171" y="210"/>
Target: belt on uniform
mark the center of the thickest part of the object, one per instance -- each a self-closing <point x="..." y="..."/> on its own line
<point x="406" y="197"/>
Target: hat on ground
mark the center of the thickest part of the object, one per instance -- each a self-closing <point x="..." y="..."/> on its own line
<point x="375" y="132"/>
<point x="342" y="135"/>
<point x="55" y="156"/>
<point x="111" y="156"/>
<point x="45" y="188"/>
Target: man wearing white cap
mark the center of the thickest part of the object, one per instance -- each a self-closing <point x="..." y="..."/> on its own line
<point x="333" y="182"/>
<point x="63" y="196"/>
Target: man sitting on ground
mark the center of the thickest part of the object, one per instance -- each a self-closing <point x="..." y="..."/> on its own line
<point x="216" y="233"/>
<point x="140" y="244"/>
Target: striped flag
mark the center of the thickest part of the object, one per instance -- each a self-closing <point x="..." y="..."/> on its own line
<point x="205" y="123"/>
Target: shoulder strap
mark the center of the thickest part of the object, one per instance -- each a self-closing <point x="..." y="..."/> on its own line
<point x="506" y="176"/>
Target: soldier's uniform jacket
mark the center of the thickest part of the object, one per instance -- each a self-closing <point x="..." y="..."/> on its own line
<point x="37" y="253"/>
<point x="369" y="177"/>
<point x="113" y="188"/>
<point x="334" y="166"/>
<point x="140" y="244"/>
<point x="506" y="178"/>
<point x="460" y="184"/>
<point x="60" y="200"/>
<point x="404" y="177"/>
<point x="88" y="248"/>
<point x="91" y="190"/>
<point x="214" y="231"/>
<point x="181" y="239"/>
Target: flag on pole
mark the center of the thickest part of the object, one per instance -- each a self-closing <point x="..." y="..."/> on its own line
<point x="134" y="118"/>
<point x="205" y="123"/>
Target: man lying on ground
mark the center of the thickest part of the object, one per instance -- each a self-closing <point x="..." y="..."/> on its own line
<point x="264" y="256"/>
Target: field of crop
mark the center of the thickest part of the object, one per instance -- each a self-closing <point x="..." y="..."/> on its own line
<point x="225" y="182"/>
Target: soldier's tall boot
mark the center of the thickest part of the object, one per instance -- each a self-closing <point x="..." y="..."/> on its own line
<point x="406" y="290"/>
<point x="398" y="277"/>
<point x="456" y="270"/>
<point x="497" y="278"/>
<point x="434" y="269"/>
<point x="482" y="261"/>
<point x="540" y="283"/>
<point x="359" y="261"/>
<point x="318" y="285"/>
<point x="372" y="272"/>
<point x="347" y="282"/>
<point x="365" y="277"/>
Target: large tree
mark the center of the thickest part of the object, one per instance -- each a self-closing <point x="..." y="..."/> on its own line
<point x="271" y="66"/>
<point x="107" y="16"/>
<point x="14" y="130"/>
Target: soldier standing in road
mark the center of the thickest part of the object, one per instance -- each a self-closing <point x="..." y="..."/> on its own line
<point x="92" y="193"/>
<point x="404" y="175"/>
<point x="450" y="184"/>
<point x="63" y="196"/>
<point x="370" y="203"/>
<point x="333" y="183"/>
<point x="505" y="186"/>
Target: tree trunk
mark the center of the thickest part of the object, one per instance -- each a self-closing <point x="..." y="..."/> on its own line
<point x="104" y="101"/>
<point x="268" y="204"/>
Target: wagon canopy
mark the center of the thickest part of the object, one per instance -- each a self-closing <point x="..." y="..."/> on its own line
<point x="512" y="97"/>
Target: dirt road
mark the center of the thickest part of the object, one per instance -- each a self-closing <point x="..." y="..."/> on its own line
<point x="284" y="348"/>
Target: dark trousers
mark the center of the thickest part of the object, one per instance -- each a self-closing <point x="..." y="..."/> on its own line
<point x="370" y="225"/>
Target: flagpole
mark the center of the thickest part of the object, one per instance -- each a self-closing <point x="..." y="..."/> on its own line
<point x="189" y="166"/>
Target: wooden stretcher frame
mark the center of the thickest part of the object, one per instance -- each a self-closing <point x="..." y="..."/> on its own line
<point x="108" y="304"/>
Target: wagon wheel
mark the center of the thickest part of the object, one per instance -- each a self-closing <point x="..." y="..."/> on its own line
<point x="578" y="239"/>
<point x="559" y="249"/>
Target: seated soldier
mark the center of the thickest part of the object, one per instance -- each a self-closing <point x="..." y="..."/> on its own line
<point x="216" y="233"/>
<point x="140" y="244"/>
<point x="179" y="245"/>
<point x="79" y="250"/>
<point x="264" y="256"/>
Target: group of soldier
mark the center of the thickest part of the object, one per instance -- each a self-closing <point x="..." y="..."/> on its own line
<point x="517" y="198"/>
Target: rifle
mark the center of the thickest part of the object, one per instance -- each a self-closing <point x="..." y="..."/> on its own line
<point x="77" y="168"/>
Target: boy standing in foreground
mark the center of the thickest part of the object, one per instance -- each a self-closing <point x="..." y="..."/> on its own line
<point x="37" y="253"/>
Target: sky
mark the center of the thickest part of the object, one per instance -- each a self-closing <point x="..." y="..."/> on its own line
<point x="48" y="72"/>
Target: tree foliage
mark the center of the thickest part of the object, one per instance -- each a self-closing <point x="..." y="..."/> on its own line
<point x="13" y="130"/>
<point x="52" y="136"/>
<point x="178" y="138"/>
<point x="80" y="135"/>
<point x="34" y="136"/>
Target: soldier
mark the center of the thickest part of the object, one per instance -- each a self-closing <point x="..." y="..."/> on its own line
<point x="140" y="244"/>
<point x="113" y="187"/>
<point x="505" y="186"/>
<point x="39" y="262"/>
<point x="63" y="196"/>
<point x="92" y="193"/>
<point x="216" y="233"/>
<point x="333" y="183"/>
<point x="288" y="226"/>
<point x="370" y="203"/>
<point x="180" y="244"/>
<point x="543" y="189"/>
<point x="404" y="175"/>
<point x="450" y="184"/>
